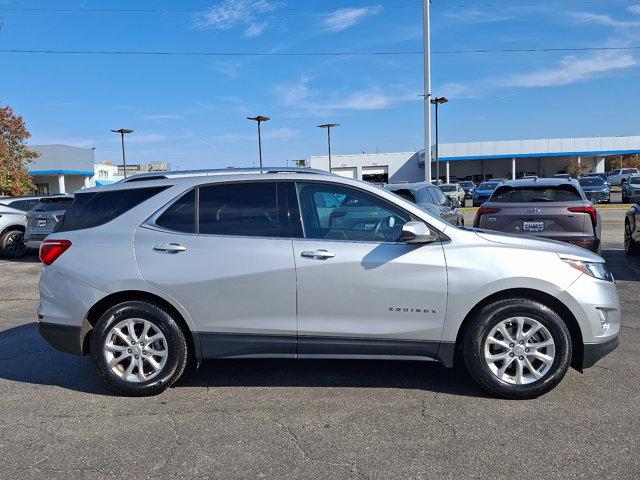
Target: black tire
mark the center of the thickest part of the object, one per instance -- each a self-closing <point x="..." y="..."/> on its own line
<point x="487" y="318"/>
<point x="631" y="247"/>
<point x="162" y="321"/>
<point x="12" y="244"/>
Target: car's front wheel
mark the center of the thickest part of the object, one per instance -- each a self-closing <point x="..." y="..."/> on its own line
<point x="12" y="244"/>
<point x="138" y="349"/>
<point x="517" y="348"/>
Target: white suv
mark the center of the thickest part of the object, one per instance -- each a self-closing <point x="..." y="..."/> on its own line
<point x="162" y="268"/>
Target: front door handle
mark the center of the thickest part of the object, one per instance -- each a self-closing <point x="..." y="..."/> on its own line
<point x="319" y="254"/>
<point x="169" y="248"/>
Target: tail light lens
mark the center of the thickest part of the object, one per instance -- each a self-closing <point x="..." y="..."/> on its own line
<point x="50" y="250"/>
<point x="484" y="211"/>
<point x="59" y="217"/>
<point x="590" y="209"/>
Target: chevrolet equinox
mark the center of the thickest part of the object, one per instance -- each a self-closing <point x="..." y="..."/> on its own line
<point x="160" y="269"/>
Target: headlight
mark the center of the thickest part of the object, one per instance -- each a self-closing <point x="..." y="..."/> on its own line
<point x="593" y="269"/>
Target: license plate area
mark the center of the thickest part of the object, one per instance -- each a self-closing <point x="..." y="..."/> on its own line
<point x="42" y="223"/>
<point x="533" y="226"/>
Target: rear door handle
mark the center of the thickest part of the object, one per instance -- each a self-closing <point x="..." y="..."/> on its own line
<point x="319" y="254"/>
<point x="169" y="248"/>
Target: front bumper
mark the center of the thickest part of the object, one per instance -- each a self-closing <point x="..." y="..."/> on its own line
<point x="593" y="352"/>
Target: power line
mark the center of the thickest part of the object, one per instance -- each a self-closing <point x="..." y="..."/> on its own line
<point x="313" y="54"/>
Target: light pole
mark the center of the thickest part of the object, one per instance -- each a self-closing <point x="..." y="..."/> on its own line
<point x="426" y="43"/>
<point x="122" y="131"/>
<point x="437" y="101"/>
<point x="329" y="126"/>
<point x="259" y="119"/>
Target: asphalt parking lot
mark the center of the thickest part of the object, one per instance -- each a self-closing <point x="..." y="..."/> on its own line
<point x="312" y="419"/>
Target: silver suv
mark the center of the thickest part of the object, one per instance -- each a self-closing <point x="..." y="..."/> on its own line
<point x="155" y="271"/>
<point x="12" y="224"/>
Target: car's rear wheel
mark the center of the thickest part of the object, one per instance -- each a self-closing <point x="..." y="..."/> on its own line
<point x="12" y="244"/>
<point x="517" y="348"/>
<point x="631" y="247"/>
<point x="138" y="349"/>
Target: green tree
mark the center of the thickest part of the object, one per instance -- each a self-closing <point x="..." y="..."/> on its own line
<point x="14" y="154"/>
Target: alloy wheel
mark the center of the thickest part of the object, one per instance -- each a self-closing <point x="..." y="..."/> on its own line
<point x="15" y="246"/>
<point x="519" y="350"/>
<point x="135" y="350"/>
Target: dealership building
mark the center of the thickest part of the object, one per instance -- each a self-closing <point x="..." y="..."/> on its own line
<point x="479" y="161"/>
<point x="62" y="168"/>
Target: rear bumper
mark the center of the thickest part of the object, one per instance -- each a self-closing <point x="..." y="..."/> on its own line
<point x="34" y="240"/>
<point x="590" y="243"/>
<point x="65" y="338"/>
<point x="595" y="351"/>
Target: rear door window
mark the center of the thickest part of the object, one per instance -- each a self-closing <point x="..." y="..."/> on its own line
<point x="560" y="193"/>
<point x="181" y="215"/>
<point x="243" y="209"/>
<point x="93" y="209"/>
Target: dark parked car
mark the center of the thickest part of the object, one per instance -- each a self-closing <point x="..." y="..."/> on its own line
<point x="595" y="189"/>
<point x="468" y="187"/>
<point x="484" y="191"/>
<point x="42" y="220"/>
<point x="631" y="190"/>
<point x="632" y="231"/>
<point x="553" y="208"/>
<point x="429" y="198"/>
<point x="603" y="176"/>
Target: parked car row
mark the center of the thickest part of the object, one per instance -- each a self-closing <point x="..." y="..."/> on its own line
<point x="26" y="221"/>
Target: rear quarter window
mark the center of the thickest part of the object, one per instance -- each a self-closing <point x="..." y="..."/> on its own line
<point x="93" y="209"/>
<point x="560" y="193"/>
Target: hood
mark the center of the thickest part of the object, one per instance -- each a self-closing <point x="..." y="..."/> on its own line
<point x="541" y="244"/>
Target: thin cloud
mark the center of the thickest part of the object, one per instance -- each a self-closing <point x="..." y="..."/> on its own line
<point x="145" y="138"/>
<point x="456" y="90"/>
<point x="604" y="20"/>
<point x="230" y="69"/>
<point x="237" y="13"/>
<point x="162" y="116"/>
<point x="344" y="18"/>
<point x="571" y="69"/>
<point x="635" y="9"/>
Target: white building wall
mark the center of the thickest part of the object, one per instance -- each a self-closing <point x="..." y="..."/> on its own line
<point x="401" y="166"/>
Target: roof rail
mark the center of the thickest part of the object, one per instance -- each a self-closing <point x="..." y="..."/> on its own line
<point x="219" y="171"/>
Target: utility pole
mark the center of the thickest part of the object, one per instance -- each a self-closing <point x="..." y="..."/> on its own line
<point x="259" y="119"/>
<point x="427" y="88"/>
<point x="329" y="126"/>
<point x="437" y="101"/>
<point x="122" y="132"/>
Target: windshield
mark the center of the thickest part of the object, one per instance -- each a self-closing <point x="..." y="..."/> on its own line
<point x="466" y="184"/>
<point x="590" y="181"/>
<point x="448" y="188"/>
<point x="488" y="186"/>
<point x="53" y="205"/>
<point x="634" y="181"/>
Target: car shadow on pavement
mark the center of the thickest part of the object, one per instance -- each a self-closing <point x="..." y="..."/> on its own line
<point x="623" y="267"/>
<point x="391" y="374"/>
<point x="27" y="358"/>
<point x="31" y="257"/>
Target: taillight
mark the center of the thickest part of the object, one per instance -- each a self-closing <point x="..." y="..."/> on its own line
<point x="59" y="217"/>
<point x="590" y="209"/>
<point x="484" y="211"/>
<point x="50" y="250"/>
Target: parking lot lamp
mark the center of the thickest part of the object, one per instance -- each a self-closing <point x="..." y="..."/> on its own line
<point x="259" y="119"/>
<point x="122" y="132"/>
<point x="437" y="101"/>
<point x="329" y="126"/>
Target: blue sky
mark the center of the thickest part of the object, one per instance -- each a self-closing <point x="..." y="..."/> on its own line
<point x="190" y="110"/>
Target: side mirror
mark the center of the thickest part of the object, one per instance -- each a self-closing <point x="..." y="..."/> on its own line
<point x="417" y="232"/>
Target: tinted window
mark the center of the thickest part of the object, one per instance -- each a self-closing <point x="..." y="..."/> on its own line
<point x="634" y="180"/>
<point x="245" y="209"/>
<point x="590" y="181"/>
<point x="181" y="215"/>
<point x="466" y="184"/>
<point x="53" y="205"/>
<point x="615" y="172"/>
<point x="449" y="188"/>
<point x="630" y="170"/>
<point x="437" y="196"/>
<point x="487" y="186"/>
<point x="357" y="216"/>
<point x="561" y="193"/>
<point x="97" y="208"/>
